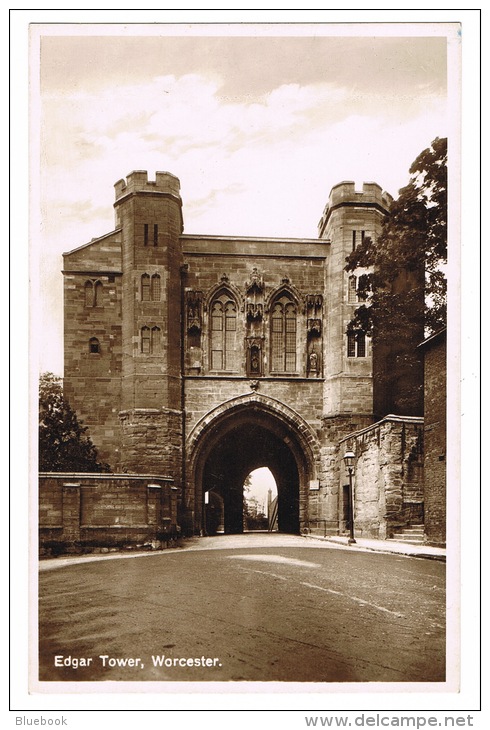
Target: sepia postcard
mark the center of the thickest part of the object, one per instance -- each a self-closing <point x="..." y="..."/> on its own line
<point x="245" y="256"/>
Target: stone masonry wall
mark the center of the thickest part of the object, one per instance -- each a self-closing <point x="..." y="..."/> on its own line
<point x="78" y="512"/>
<point x="152" y="441"/>
<point x="384" y="491"/>
<point x="92" y="340"/>
<point x="435" y="441"/>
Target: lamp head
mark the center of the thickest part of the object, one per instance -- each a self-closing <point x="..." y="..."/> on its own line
<point x="349" y="458"/>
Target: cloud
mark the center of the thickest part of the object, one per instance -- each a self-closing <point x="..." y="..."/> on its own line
<point x="258" y="164"/>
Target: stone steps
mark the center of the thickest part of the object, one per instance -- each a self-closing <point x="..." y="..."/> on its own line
<point x="413" y="535"/>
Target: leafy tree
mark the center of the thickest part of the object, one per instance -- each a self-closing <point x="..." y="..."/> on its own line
<point x="405" y="289"/>
<point x="63" y="441"/>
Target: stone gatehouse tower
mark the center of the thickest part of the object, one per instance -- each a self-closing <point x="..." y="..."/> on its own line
<point x="202" y="358"/>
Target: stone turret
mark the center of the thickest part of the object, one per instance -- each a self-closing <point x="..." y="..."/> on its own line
<point x="149" y="214"/>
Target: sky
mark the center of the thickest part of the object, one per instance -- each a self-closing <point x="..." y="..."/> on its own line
<point x="257" y="122"/>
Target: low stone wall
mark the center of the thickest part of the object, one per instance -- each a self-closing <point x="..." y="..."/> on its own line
<point x="388" y="477"/>
<point x="85" y="512"/>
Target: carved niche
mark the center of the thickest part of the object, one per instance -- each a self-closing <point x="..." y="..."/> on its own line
<point x="314" y="314"/>
<point x="193" y="324"/>
<point x="194" y="312"/>
<point x="254" y="309"/>
<point x="254" y="290"/>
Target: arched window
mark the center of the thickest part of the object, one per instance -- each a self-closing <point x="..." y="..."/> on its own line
<point x="145" y="340"/>
<point x="352" y="290"/>
<point x="356" y="344"/>
<point x="150" y="288"/>
<point x="150" y="340"/>
<point x="155" y="287"/>
<point x="283" y="335"/>
<point x="89" y="294"/>
<point x="93" y="293"/>
<point x="145" y="288"/>
<point x="94" y="345"/>
<point x="155" y="340"/>
<point x="223" y="333"/>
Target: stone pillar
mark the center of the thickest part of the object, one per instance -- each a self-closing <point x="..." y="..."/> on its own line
<point x="71" y="512"/>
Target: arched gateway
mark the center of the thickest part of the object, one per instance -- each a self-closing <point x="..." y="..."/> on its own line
<point x="241" y="435"/>
<point x="217" y="355"/>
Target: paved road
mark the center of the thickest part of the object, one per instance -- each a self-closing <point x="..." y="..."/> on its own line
<point x="248" y="608"/>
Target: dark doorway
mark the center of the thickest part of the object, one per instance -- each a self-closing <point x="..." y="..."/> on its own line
<point x="237" y="451"/>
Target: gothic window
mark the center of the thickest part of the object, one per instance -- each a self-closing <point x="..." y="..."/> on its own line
<point x="283" y="335"/>
<point x="356" y="344"/>
<point x="94" y="345"/>
<point x="155" y="287"/>
<point x="223" y="333"/>
<point x="89" y="293"/>
<point x="352" y="290"/>
<point x="150" y="288"/>
<point x="145" y="288"/>
<point x="155" y="339"/>
<point x="93" y="293"/>
<point x="150" y="340"/>
<point x="146" y="340"/>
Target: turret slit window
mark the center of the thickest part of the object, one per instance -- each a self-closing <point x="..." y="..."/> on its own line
<point x="283" y="335"/>
<point x="352" y="290"/>
<point x="155" y="234"/>
<point x="356" y="344"/>
<point x="145" y="235"/>
<point x="223" y="333"/>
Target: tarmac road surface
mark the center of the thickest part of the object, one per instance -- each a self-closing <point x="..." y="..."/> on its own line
<point x="251" y="608"/>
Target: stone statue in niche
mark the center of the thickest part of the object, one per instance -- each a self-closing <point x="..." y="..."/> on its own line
<point x="313" y="364"/>
<point x="194" y="306"/>
<point x="194" y="301"/>
<point x="254" y="357"/>
<point x="314" y="307"/>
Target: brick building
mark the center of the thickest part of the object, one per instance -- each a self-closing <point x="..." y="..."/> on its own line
<point x="434" y="349"/>
<point x="201" y="358"/>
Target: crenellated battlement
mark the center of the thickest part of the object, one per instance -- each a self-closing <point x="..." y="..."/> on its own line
<point x="345" y="193"/>
<point x="137" y="182"/>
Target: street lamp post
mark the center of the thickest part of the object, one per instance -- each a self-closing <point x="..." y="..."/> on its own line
<point x="349" y="458"/>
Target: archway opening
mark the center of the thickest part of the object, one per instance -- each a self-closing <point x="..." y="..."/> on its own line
<point x="233" y="451"/>
<point x="260" y="501"/>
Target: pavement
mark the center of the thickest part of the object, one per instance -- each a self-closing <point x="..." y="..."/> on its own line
<point x="261" y="539"/>
<point x="386" y="546"/>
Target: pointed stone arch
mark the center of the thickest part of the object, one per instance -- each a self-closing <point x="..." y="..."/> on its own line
<point x="250" y="420"/>
<point x="224" y="285"/>
<point x="288" y="289"/>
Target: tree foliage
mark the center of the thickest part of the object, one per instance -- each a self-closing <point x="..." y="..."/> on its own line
<point x="412" y="248"/>
<point x="64" y="444"/>
<point x="403" y="284"/>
